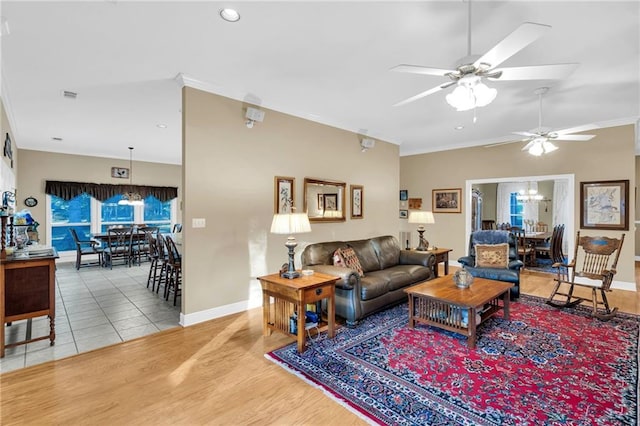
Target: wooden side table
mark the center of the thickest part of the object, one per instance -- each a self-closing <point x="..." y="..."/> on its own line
<point x="442" y="256"/>
<point x="293" y="295"/>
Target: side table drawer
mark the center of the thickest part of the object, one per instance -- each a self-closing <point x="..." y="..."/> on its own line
<point x="318" y="293"/>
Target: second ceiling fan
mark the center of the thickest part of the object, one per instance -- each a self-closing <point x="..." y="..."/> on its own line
<point x="470" y="91"/>
<point x="539" y="142"/>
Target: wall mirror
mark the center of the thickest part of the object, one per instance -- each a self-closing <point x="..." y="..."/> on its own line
<point x="324" y="200"/>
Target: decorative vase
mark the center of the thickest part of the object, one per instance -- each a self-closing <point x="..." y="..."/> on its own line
<point x="463" y="278"/>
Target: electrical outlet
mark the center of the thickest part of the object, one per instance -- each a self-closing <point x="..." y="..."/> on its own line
<point x="198" y="223"/>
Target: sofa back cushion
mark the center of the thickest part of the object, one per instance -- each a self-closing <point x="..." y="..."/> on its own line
<point x="366" y="253"/>
<point x="387" y="250"/>
<point x="320" y="253"/>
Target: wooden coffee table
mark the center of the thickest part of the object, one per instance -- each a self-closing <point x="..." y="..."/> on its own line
<point x="440" y="303"/>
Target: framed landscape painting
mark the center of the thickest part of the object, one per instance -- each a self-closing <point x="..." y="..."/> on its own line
<point x="604" y="205"/>
<point x="447" y="200"/>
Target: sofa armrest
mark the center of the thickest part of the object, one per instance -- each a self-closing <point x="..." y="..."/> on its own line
<point x="467" y="261"/>
<point x="516" y="264"/>
<point x="414" y="257"/>
<point x="348" y="277"/>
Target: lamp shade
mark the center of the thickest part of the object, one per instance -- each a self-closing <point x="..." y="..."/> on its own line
<point x="421" y="217"/>
<point x="290" y="223"/>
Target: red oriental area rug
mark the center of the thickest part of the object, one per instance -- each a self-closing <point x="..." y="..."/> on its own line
<point x="544" y="366"/>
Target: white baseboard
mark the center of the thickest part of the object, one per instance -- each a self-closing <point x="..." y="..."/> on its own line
<point x="220" y="311"/>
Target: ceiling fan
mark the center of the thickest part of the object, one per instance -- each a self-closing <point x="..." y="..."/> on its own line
<point x="539" y="142"/>
<point x="470" y="92"/>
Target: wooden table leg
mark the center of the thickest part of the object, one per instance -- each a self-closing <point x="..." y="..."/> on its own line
<point x="506" y="302"/>
<point x="266" y="306"/>
<point x="471" y="341"/>
<point x="301" y="326"/>
<point x="446" y="263"/>
<point x="411" y="320"/>
<point x="331" y="311"/>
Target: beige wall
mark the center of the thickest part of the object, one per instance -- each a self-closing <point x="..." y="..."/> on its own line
<point x="609" y="156"/>
<point x="4" y="129"/>
<point x="229" y="173"/>
<point x="36" y="167"/>
<point x="634" y="193"/>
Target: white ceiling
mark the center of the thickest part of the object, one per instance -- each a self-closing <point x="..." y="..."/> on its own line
<point x="325" y="61"/>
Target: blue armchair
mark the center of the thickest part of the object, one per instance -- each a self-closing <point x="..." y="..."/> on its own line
<point x="510" y="274"/>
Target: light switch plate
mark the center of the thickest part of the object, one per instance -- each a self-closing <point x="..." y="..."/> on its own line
<point x="198" y="222"/>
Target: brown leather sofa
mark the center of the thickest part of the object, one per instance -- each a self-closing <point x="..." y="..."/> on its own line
<point x="388" y="270"/>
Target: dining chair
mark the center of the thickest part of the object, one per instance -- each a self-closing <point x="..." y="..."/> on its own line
<point x="141" y="243"/>
<point x="174" y="282"/>
<point x="162" y="276"/>
<point x="156" y="273"/>
<point x="526" y="252"/>
<point x="86" y="248"/>
<point x="488" y="224"/>
<point x="119" y="246"/>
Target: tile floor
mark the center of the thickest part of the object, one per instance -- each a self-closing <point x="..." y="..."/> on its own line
<point x="95" y="307"/>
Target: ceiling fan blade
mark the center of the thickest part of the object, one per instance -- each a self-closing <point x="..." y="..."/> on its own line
<point x="527" y="134"/>
<point x="500" y="143"/>
<point x="524" y="35"/>
<point x="425" y="93"/>
<point x="417" y="69"/>
<point x="577" y="129"/>
<point x="573" y="137"/>
<point x="527" y="146"/>
<point x="536" y="72"/>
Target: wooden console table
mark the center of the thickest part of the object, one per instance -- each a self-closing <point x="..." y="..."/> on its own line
<point x="292" y="295"/>
<point x="27" y="290"/>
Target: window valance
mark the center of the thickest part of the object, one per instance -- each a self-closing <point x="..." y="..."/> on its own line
<point x="104" y="191"/>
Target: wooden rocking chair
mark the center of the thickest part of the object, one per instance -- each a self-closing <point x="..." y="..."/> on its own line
<point x="595" y="256"/>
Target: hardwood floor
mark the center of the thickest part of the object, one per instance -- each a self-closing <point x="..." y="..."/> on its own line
<point x="210" y="373"/>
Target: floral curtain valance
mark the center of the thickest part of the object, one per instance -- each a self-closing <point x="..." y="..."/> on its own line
<point x="104" y="191"/>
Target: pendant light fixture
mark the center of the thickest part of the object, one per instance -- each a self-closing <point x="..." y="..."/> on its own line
<point x="131" y="198"/>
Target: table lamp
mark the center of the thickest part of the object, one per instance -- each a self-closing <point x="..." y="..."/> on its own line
<point x="421" y="217"/>
<point x="290" y="223"/>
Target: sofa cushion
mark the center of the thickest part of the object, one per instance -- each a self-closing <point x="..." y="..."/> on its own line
<point x="367" y="255"/>
<point x="320" y="253"/>
<point x="387" y="250"/>
<point x="374" y="284"/>
<point x="492" y="255"/>
<point x="349" y="259"/>
<point x="399" y="276"/>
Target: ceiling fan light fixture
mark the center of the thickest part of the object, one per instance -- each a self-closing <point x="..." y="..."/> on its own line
<point x="471" y="93"/>
<point x="548" y="147"/>
<point x="536" y="149"/>
<point x="484" y="95"/>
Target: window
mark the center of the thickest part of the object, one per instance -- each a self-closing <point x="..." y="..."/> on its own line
<point x="516" y="209"/>
<point x="75" y="213"/>
<point x="88" y="215"/>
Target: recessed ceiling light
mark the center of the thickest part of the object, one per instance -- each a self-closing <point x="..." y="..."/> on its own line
<point x="162" y="126"/>
<point x="230" y="15"/>
<point x="459" y="127"/>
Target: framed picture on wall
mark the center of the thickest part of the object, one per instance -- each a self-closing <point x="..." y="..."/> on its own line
<point x="447" y="200"/>
<point x="404" y="214"/>
<point x="604" y="205"/>
<point x="330" y="202"/>
<point x="357" y="201"/>
<point x="404" y="195"/>
<point x="284" y="194"/>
